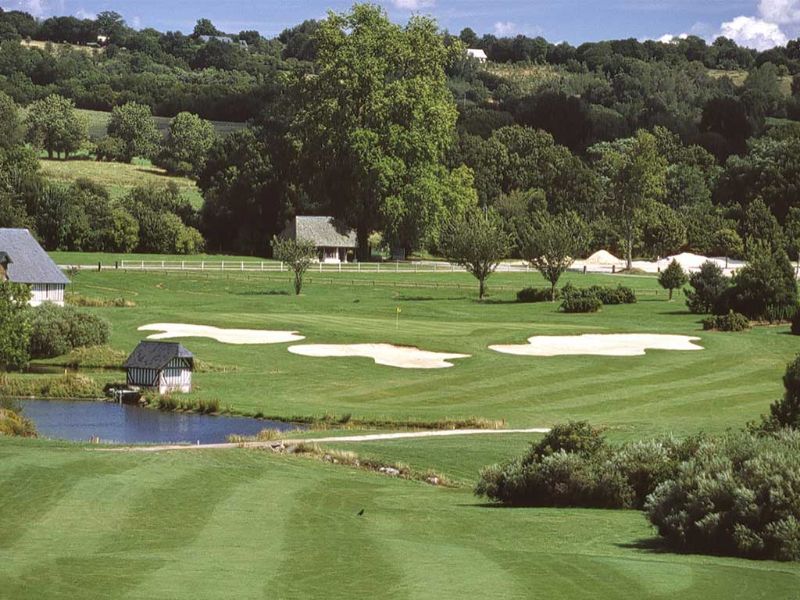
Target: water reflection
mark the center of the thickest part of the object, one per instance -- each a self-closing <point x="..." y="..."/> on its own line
<point x="129" y="424"/>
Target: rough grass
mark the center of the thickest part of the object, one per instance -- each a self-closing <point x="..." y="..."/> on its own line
<point x="251" y="524"/>
<point x="738" y="78"/>
<point x="118" y="178"/>
<point x="66" y="387"/>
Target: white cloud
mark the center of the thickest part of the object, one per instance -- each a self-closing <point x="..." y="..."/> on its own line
<point x="413" y="4"/>
<point x="41" y="8"/>
<point x="669" y="38"/>
<point x="505" y="28"/>
<point x="754" y="33"/>
<point x="780" y="11"/>
<point x="85" y="14"/>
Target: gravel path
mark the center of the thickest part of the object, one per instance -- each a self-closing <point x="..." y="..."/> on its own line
<point x="373" y="437"/>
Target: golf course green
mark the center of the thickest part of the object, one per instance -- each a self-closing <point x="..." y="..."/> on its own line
<point x="79" y="520"/>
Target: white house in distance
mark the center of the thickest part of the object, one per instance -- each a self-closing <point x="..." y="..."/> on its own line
<point x="23" y="260"/>
<point x="163" y="366"/>
<point x="477" y="54"/>
<point x="333" y="243"/>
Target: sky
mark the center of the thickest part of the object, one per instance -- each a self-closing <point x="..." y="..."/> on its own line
<point x="759" y="24"/>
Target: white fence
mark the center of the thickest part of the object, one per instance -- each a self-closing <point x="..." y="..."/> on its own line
<point x="275" y="267"/>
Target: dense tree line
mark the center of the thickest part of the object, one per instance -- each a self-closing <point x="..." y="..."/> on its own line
<point x="636" y="142"/>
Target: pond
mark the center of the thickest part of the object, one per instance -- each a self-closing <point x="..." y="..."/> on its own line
<point x="131" y="424"/>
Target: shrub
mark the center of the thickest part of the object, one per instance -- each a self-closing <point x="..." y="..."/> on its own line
<point x="536" y="295"/>
<point x="796" y="322"/>
<point x="110" y="149"/>
<point x="577" y="437"/>
<point x="55" y="330"/>
<point x="766" y="289"/>
<point x="618" y="295"/>
<point x="786" y="411"/>
<point x="14" y="424"/>
<point x="739" y="495"/>
<point x="709" y="284"/>
<point x="731" y="322"/>
<point x="579" y="300"/>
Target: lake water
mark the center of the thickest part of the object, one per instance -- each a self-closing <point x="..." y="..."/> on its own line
<point x="131" y="424"/>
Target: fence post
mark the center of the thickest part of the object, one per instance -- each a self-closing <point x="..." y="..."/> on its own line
<point x="142" y="265"/>
<point x="183" y="265"/>
<point x="202" y="265"/>
<point x="222" y="266"/>
<point x="162" y="264"/>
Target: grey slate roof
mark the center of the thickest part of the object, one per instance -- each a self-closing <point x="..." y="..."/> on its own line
<point x="29" y="262"/>
<point x="322" y="231"/>
<point x="156" y="355"/>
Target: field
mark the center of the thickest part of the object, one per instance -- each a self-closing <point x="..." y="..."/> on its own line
<point x="80" y="521"/>
<point x="738" y="78"/>
<point x="726" y="385"/>
<point x="245" y="524"/>
<point x="98" y="123"/>
<point x="118" y="178"/>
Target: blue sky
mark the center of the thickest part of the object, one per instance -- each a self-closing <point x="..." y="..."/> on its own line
<point x="755" y="23"/>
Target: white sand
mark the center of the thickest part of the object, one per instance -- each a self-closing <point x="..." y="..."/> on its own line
<point x="226" y="336"/>
<point x="402" y="357"/>
<point x="603" y="257"/>
<point x="626" y="344"/>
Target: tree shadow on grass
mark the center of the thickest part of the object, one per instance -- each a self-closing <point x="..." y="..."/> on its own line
<point x="496" y="301"/>
<point x="404" y="298"/>
<point x="264" y="293"/>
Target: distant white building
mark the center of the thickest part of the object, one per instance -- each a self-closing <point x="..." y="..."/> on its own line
<point x="477" y="54"/>
<point x="23" y="260"/>
<point x="333" y="243"/>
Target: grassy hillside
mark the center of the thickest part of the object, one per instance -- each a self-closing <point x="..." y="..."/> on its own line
<point x="98" y="123"/>
<point x="730" y="382"/>
<point x="738" y="78"/>
<point x="246" y="524"/>
<point x="527" y="76"/>
<point x="118" y="178"/>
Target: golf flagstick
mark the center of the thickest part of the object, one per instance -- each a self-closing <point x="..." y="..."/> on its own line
<point x="397" y="319"/>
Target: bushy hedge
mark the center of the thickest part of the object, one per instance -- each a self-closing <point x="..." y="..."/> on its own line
<point x="796" y="322"/>
<point x="733" y="321"/>
<point x="576" y="300"/>
<point x="614" y="295"/>
<point x="56" y="330"/>
<point x="536" y="295"/>
<point x="573" y="466"/>
<point x="738" y="495"/>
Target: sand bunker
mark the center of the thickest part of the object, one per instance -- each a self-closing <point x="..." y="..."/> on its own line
<point x="626" y="344"/>
<point x="402" y="357"/>
<point x="226" y="336"/>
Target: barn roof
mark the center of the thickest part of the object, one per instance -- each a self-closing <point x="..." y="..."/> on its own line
<point x="29" y="262"/>
<point x="323" y="231"/>
<point x="156" y="355"/>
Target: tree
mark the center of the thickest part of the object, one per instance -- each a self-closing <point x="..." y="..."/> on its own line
<point x="636" y="174"/>
<point x="759" y="226"/>
<point x="132" y="124"/>
<point x="298" y="256"/>
<point x="205" y="27"/>
<point x="111" y="24"/>
<point x="550" y="244"/>
<point x="188" y="143"/>
<point x="765" y="289"/>
<point x="376" y="115"/>
<point x="726" y="242"/>
<point x="663" y="230"/>
<point x="15" y="325"/>
<point x="672" y="278"/>
<point x="476" y="241"/>
<point x="9" y="121"/>
<point x="786" y="411"/>
<point x="709" y="285"/>
<point x="53" y="125"/>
